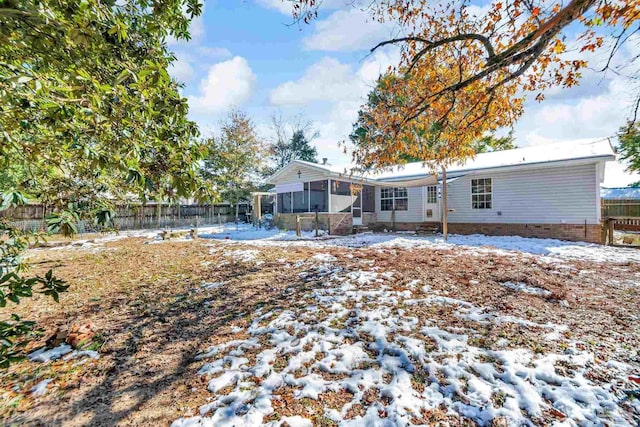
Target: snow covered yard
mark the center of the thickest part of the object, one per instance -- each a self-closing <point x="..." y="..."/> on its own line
<point x="370" y="344"/>
<point x="264" y="328"/>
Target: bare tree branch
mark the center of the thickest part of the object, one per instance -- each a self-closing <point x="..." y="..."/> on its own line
<point x="430" y="45"/>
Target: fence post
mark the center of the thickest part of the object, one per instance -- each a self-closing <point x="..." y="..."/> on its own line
<point x="298" y="228"/>
<point x="317" y="223"/>
<point x="610" y="227"/>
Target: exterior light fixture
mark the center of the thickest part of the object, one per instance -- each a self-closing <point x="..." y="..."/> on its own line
<point x="299" y="174"/>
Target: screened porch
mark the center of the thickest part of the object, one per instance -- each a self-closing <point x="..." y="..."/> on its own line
<point x="324" y="196"/>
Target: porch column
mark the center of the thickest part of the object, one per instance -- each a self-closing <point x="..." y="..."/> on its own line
<point x="329" y="195"/>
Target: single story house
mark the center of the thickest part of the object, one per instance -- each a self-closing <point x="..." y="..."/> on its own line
<point x="549" y="191"/>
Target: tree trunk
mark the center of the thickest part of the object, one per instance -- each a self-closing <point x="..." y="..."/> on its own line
<point x="445" y="210"/>
<point x="237" y="213"/>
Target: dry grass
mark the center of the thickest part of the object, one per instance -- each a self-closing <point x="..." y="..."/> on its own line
<point x="153" y="316"/>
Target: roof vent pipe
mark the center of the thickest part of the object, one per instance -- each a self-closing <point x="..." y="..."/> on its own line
<point x="324" y="161"/>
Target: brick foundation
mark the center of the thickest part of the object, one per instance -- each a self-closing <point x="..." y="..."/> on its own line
<point x="342" y="224"/>
<point x="573" y="232"/>
<point x="403" y="226"/>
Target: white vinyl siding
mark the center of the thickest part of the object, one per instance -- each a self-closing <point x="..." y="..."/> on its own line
<point x="566" y="194"/>
<point x="306" y="174"/>
<point x="414" y="212"/>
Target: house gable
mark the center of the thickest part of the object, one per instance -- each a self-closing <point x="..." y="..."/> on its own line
<point x="297" y="172"/>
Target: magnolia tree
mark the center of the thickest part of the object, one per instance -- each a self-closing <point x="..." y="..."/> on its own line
<point x="88" y="114"/>
<point x="465" y="73"/>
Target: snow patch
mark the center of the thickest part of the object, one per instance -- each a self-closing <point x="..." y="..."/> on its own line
<point x="40" y="389"/>
<point x="242" y="255"/>
<point x="322" y="257"/>
<point x="64" y="351"/>
<point x="523" y="287"/>
<point x="44" y="355"/>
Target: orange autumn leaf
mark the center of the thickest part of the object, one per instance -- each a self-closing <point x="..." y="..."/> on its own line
<point x="463" y="73"/>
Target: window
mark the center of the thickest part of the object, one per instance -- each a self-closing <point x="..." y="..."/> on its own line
<point x="319" y="196"/>
<point x="341" y="187"/>
<point x="432" y="194"/>
<point x="481" y="194"/>
<point x="284" y="202"/>
<point x="368" y="198"/>
<point x="312" y="197"/>
<point x="301" y="201"/>
<point x="394" y="199"/>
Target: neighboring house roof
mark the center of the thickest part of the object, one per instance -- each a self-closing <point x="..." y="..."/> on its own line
<point x="419" y="173"/>
<point x="620" y="193"/>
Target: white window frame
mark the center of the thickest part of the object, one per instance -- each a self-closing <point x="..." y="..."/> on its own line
<point x="394" y="197"/>
<point x="432" y="190"/>
<point x="483" y="204"/>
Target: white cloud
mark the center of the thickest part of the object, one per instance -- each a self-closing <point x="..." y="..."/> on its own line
<point x="335" y="91"/>
<point x="596" y="108"/>
<point x="213" y="52"/>
<point x="616" y="175"/>
<point x="326" y="80"/>
<point x="348" y="30"/>
<point x="195" y="60"/>
<point x="285" y="7"/>
<point x="228" y="83"/>
<point x="181" y="70"/>
<point x="333" y="81"/>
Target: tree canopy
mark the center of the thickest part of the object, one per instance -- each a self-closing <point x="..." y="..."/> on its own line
<point x="490" y="143"/>
<point x="292" y="141"/>
<point x="87" y="107"/>
<point x="465" y="73"/>
<point x="629" y="146"/>
<point x="235" y="157"/>
<point x="88" y="112"/>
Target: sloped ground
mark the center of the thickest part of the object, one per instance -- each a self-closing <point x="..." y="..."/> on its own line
<point x="358" y="331"/>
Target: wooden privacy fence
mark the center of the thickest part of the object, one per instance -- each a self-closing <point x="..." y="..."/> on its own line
<point x="626" y="213"/>
<point x="621" y="208"/>
<point x="134" y="216"/>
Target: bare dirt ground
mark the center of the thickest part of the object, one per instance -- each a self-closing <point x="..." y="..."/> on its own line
<point x="156" y="307"/>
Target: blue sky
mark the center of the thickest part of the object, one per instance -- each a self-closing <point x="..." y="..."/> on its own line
<point x="248" y="54"/>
